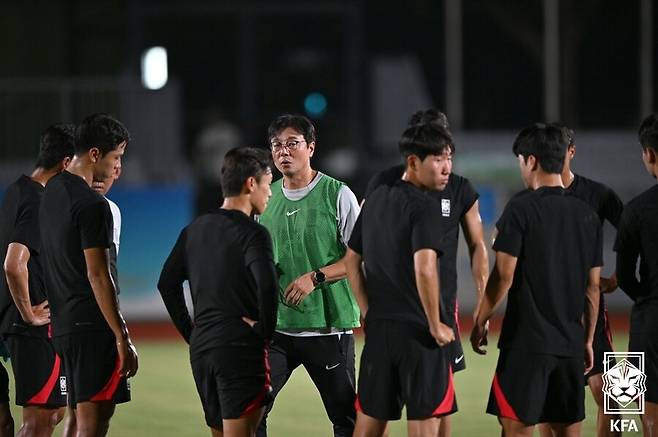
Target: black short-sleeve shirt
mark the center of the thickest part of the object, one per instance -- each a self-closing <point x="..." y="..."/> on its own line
<point x="455" y="200"/>
<point x="556" y="239"/>
<point x="213" y="254"/>
<point x="72" y="218"/>
<point x="600" y="197"/>
<point x="19" y="223"/>
<point x="396" y="221"/>
<point x="638" y="237"/>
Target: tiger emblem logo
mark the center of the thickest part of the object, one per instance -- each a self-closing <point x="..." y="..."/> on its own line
<point x="624" y="383"/>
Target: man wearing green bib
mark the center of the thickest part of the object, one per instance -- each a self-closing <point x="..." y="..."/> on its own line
<point x="310" y="217"/>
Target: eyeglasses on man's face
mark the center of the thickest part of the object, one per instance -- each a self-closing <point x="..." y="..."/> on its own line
<point x="290" y="144"/>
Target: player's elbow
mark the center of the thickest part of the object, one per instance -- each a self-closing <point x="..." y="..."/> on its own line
<point x="12" y="268"/>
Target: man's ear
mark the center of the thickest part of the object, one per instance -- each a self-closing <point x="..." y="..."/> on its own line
<point x="94" y="154"/>
<point x="413" y="162"/>
<point x="532" y="161"/>
<point x="249" y="185"/>
<point x="311" y="148"/>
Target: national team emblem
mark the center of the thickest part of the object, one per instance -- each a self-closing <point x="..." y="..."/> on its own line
<point x="624" y="383"/>
<point x="445" y="207"/>
<point x="62" y="385"/>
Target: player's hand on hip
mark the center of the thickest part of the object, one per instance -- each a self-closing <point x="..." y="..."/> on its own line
<point x="479" y="337"/>
<point x="443" y="334"/>
<point x="128" y="360"/>
<point x="40" y="314"/>
<point x="589" y="357"/>
<point x="301" y="287"/>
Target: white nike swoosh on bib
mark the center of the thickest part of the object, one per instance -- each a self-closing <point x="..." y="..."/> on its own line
<point x="328" y="367"/>
<point x="289" y="213"/>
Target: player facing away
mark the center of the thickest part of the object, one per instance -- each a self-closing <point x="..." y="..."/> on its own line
<point x="310" y="217"/>
<point x="227" y="259"/>
<point x="638" y="238"/>
<point x="548" y="257"/>
<point x="398" y="237"/>
<point x="24" y="312"/>
<point x="608" y="206"/>
<point x="89" y="331"/>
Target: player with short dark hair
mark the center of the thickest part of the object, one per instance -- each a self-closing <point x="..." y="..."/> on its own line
<point x="227" y="259"/>
<point x="608" y="206"/>
<point x="89" y="331"/>
<point x="24" y="312"/>
<point x="398" y="237"/>
<point x="548" y="257"/>
<point x="638" y="238"/>
<point x="459" y="206"/>
<point x="310" y="218"/>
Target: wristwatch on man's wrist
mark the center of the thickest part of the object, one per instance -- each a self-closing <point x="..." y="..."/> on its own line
<point x="318" y="277"/>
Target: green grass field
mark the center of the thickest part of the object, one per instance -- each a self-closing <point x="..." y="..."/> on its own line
<point x="165" y="402"/>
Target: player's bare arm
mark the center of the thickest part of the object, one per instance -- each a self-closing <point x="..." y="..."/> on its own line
<point x="304" y="285"/>
<point x="474" y="235"/>
<point x="104" y="292"/>
<point x="427" y="282"/>
<point x="497" y="288"/>
<point x="17" y="274"/>
<point x="591" y="311"/>
<point x="357" y="280"/>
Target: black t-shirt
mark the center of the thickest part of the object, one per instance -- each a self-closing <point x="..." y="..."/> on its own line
<point x="214" y="254"/>
<point x="556" y="239"/>
<point x="638" y="237"/>
<point x="455" y="201"/>
<point x="19" y="223"/>
<point x="395" y="222"/>
<point x="72" y="218"/>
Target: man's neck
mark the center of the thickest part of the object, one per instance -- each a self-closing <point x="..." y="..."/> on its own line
<point x="547" y="180"/>
<point x="83" y="168"/>
<point x="567" y="177"/>
<point x="409" y="176"/>
<point x="42" y="176"/>
<point x="238" y="203"/>
<point x="300" y="179"/>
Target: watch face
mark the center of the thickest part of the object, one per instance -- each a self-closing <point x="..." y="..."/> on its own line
<point x="319" y="276"/>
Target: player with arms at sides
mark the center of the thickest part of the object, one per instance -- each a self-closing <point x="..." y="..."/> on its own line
<point x="608" y="206"/>
<point x="548" y="257"/>
<point x="638" y="238"/>
<point x="226" y="257"/>
<point x="310" y="217"/>
<point x="399" y="238"/>
<point x="459" y="206"/>
<point x="89" y="331"/>
<point x="24" y="312"/>
<point x="103" y="187"/>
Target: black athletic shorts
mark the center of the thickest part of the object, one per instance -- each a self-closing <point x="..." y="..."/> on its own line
<point x="647" y="342"/>
<point x="232" y="380"/>
<point x="458" y="360"/>
<point x="402" y="364"/>
<point x="602" y="343"/>
<point x="38" y="371"/>
<point x="534" y="388"/>
<point x="91" y="366"/>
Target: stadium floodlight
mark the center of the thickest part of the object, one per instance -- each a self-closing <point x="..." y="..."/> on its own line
<point x="154" y="68"/>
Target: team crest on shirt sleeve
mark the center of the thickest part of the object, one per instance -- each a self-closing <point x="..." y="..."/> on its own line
<point x="445" y="207"/>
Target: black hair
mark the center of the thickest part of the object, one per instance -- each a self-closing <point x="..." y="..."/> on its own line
<point x="56" y="143"/>
<point x="240" y="164"/>
<point x="298" y="122"/>
<point x="432" y="116"/>
<point x="425" y="135"/>
<point x="648" y="133"/>
<point x="567" y="131"/>
<point x="546" y="142"/>
<point x="102" y="131"/>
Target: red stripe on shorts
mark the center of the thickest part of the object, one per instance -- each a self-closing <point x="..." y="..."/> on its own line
<point x="357" y="404"/>
<point x="457" y="315"/>
<point x="107" y="393"/>
<point x="448" y="402"/>
<point x="267" y="387"/>
<point x="42" y="396"/>
<point x="504" y="407"/>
